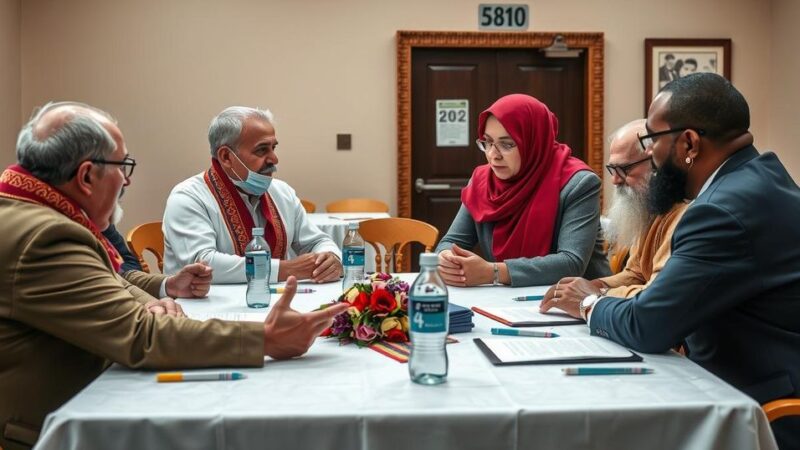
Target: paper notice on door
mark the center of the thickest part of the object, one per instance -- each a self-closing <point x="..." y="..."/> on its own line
<point x="452" y="123"/>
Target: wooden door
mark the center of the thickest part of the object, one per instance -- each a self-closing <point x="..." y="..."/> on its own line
<point x="480" y="76"/>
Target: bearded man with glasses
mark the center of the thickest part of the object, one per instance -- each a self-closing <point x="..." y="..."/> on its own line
<point x="632" y="224"/>
<point x="730" y="291"/>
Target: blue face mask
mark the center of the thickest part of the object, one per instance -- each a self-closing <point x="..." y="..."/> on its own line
<point x="255" y="183"/>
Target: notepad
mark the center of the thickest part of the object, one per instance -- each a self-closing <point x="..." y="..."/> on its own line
<point x="231" y="316"/>
<point x="527" y="316"/>
<point x="564" y="350"/>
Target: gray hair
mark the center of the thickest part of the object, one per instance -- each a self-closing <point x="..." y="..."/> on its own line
<point x="55" y="154"/>
<point x="226" y="128"/>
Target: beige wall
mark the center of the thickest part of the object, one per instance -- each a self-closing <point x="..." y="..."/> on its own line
<point x="785" y="85"/>
<point x="164" y="68"/>
<point x="10" y="89"/>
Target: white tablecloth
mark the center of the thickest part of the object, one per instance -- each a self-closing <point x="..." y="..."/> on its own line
<point x="343" y="397"/>
<point x="335" y="226"/>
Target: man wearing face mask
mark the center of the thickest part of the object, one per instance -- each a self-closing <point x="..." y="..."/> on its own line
<point x="210" y="216"/>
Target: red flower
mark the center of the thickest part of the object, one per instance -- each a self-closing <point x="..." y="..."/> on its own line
<point x="361" y="301"/>
<point x="326" y="332"/>
<point x="395" y="335"/>
<point x="382" y="302"/>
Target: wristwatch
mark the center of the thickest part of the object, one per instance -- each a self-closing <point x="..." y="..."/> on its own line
<point x="586" y="305"/>
<point x="496" y="281"/>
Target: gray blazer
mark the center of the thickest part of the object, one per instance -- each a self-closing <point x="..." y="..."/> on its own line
<point x="577" y="248"/>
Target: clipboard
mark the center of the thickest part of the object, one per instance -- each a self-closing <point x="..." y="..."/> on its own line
<point x="498" y="362"/>
<point x="570" y="321"/>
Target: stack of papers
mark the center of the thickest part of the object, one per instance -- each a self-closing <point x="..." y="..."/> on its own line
<point x="562" y="350"/>
<point x="460" y="319"/>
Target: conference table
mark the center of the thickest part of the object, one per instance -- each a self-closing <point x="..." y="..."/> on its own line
<point x="346" y="397"/>
<point x="335" y="226"/>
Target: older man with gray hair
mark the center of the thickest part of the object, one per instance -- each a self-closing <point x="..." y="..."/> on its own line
<point x="632" y="223"/>
<point x="210" y="216"/>
<point x="65" y="312"/>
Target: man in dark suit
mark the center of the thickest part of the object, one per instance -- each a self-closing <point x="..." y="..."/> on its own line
<point x="731" y="289"/>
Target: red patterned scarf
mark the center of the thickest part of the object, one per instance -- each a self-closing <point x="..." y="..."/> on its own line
<point x="19" y="184"/>
<point x="237" y="217"/>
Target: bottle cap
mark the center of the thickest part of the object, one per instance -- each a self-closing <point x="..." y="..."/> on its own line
<point x="352" y="225"/>
<point x="428" y="259"/>
<point x="258" y="231"/>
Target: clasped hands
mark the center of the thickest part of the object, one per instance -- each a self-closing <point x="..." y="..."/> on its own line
<point x="459" y="267"/>
<point x="318" y="267"/>
<point x="568" y="293"/>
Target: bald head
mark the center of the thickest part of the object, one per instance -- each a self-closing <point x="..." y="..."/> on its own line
<point x="624" y="150"/>
<point x="59" y="136"/>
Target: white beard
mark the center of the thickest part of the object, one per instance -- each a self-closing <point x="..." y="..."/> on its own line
<point x="628" y="216"/>
<point x="116" y="216"/>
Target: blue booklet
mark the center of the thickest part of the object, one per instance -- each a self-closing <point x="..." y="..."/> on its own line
<point x="460" y="319"/>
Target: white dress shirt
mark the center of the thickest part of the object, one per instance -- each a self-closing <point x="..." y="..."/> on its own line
<point x="194" y="230"/>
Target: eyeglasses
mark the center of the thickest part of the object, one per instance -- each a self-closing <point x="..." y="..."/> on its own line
<point x="648" y="140"/>
<point x="504" y="147"/>
<point x="622" y="169"/>
<point x="126" y="164"/>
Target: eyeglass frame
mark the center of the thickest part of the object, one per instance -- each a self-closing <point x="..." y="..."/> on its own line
<point x="650" y="136"/>
<point x="622" y="169"/>
<point x="128" y="161"/>
<point x="482" y="146"/>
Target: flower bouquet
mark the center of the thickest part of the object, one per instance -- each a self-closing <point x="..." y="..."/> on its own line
<point x="378" y="311"/>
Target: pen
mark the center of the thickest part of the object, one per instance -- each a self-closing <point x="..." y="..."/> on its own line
<point x="527" y="298"/>
<point x="167" y="377"/>
<point x="280" y="290"/>
<point x="529" y="333"/>
<point x="606" y="370"/>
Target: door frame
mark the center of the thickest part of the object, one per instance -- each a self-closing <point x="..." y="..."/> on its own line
<point x="592" y="43"/>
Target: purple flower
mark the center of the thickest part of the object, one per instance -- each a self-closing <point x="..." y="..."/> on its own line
<point x="365" y="333"/>
<point x="341" y="324"/>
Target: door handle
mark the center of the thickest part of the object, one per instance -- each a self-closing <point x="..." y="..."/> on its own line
<point x="420" y="186"/>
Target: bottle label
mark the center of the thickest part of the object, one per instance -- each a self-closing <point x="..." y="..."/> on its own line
<point x="256" y="265"/>
<point x="428" y="314"/>
<point x="353" y="256"/>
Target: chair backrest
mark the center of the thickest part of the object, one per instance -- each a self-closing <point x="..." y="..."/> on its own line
<point x="394" y="234"/>
<point x="781" y="408"/>
<point x="309" y="206"/>
<point x="147" y="236"/>
<point x="357" y="205"/>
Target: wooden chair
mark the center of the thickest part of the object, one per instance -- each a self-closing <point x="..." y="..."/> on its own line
<point x="147" y="236"/>
<point x="357" y="205"/>
<point x="781" y="408"/>
<point x="394" y="234"/>
<point x="309" y="206"/>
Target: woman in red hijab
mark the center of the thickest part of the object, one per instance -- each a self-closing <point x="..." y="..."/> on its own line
<point x="534" y="209"/>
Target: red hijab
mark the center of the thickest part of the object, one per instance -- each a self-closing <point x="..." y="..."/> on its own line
<point x="523" y="207"/>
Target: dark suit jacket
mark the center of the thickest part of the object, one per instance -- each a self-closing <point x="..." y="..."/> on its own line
<point x="731" y="289"/>
<point x="129" y="261"/>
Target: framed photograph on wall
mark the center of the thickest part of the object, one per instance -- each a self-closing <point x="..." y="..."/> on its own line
<point x="668" y="59"/>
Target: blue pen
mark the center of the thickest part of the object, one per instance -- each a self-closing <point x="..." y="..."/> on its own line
<point x="528" y="298"/>
<point x="606" y="370"/>
<point x="529" y="333"/>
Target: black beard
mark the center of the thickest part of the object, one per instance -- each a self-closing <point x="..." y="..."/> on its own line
<point x="667" y="187"/>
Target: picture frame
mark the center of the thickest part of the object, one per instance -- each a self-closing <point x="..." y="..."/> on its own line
<point x="668" y="59"/>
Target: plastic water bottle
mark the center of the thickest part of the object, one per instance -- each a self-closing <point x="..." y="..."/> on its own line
<point x="352" y="257"/>
<point x="257" y="259"/>
<point x="428" y="316"/>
